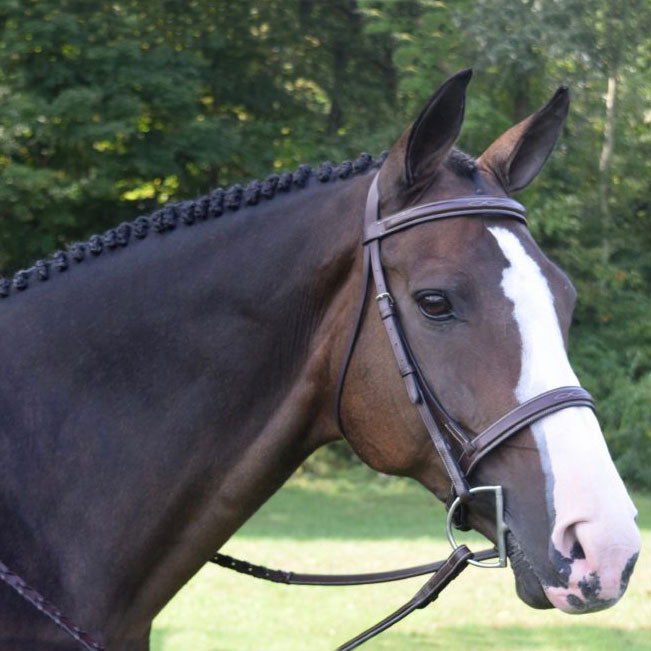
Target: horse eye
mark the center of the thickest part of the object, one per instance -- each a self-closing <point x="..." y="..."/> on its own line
<point x="435" y="306"/>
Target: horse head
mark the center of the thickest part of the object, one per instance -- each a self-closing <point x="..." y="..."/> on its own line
<point x="486" y="316"/>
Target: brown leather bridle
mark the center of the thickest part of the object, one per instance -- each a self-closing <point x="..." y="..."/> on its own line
<point x="442" y="429"/>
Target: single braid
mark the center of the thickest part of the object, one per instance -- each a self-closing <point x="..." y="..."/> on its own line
<point x="325" y="172"/>
<point x="285" y="182"/>
<point x="201" y="208"/>
<point x="20" y="281"/>
<point x="158" y="221"/>
<point x="216" y="206"/>
<point x="123" y="232"/>
<point x="140" y="228"/>
<point x="252" y="193"/>
<point x="110" y="239"/>
<point x="302" y="175"/>
<point x="170" y="217"/>
<point x="269" y="186"/>
<point x="363" y="163"/>
<point x="77" y="251"/>
<point x="42" y="268"/>
<point x="60" y="261"/>
<point x="233" y="198"/>
<point x="345" y="169"/>
<point x="95" y="244"/>
<point x="186" y="211"/>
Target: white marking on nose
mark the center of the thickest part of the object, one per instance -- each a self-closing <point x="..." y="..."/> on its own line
<point x="586" y="496"/>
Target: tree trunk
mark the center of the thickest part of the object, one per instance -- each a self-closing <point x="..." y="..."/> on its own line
<point x="390" y="74"/>
<point x="605" y="161"/>
<point x="339" y="61"/>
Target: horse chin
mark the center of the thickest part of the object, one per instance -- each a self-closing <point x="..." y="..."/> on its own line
<point x="527" y="584"/>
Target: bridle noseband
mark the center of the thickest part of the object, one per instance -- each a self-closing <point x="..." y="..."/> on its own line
<point x="442" y="428"/>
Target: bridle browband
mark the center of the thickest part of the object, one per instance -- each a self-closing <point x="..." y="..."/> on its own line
<point x="441" y="427"/>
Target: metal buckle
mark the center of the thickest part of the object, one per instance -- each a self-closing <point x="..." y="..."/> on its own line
<point x="500" y="526"/>
<point x="384" y="295"/>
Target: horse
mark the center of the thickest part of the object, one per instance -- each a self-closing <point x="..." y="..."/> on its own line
<point x="161" y="381"/>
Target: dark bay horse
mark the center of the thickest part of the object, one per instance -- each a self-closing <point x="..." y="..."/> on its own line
<point x="158" y="383"/>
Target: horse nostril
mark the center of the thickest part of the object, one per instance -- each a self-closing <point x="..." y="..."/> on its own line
<point x="566" y="549"/>
<point x="577" y="551"/>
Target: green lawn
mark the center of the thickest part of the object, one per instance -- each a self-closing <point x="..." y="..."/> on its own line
<point x="360" y="523"/>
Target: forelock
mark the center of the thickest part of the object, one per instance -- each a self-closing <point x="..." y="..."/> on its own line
<point x="462" y="164"/>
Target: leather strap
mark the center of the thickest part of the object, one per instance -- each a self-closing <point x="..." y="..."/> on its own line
<point x="297" y="578"/>
<point x="518" y="418"/>
<point x="407" y="369"/>
<point x="461" y="207"/>
<point x="359" y="316"/>
<point x="453" y="566"/>
<point x="41" y="604"/>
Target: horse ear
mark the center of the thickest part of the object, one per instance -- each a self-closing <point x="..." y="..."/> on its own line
<point x="427" y="142"/>
<point x="517" y="156"/>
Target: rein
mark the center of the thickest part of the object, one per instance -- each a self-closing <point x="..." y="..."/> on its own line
<point x="442" y="429"/>
<point x="36" y="599"/>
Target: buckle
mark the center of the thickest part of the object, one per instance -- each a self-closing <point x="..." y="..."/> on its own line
<point x="384" y="295"/>
<point x="500" y="526"/>
<point x="387" y="309"/>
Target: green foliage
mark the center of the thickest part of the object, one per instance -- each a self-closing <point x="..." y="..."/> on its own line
<point x="627" y="415"/>
<point x="109" y="108"/>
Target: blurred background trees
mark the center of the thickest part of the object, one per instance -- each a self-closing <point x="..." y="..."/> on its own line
<point x="110" y="108"/>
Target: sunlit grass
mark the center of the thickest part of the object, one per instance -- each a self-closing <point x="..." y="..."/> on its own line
<point x="355" y="523"/>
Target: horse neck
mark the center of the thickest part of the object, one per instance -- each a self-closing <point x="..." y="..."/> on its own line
<point x="155" y="397"/>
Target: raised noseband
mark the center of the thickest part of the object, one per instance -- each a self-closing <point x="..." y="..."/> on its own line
<point x="518" y="418"/>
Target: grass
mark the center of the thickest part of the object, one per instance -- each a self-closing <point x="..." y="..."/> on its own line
<point x="359" y="523"/>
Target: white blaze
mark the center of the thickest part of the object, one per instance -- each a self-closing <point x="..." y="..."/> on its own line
<point x="585" y="492"/>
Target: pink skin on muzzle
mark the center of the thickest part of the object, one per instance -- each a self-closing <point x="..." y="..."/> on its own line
<point x="594" y="528"/>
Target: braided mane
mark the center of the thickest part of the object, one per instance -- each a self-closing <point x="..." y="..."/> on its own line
<point x="187" y="213"/>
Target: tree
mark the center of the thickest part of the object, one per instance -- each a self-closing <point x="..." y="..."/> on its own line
<point x="108" y="109"/>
